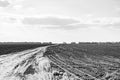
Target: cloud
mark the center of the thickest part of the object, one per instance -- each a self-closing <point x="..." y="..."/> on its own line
<point x="70" y="23"/>
<point x="49" y="21"/>
<point x="69" y="27"/>
<point x="59" y="22"/>
<point x="8" y="19"/>
<point x="107" y="22"/>
<point x="4" y="3"/>
<point x="113" y="25"/>
<point x="11" y="5"/>
<point x="116" y="24"/>
<point x="13" y="1"/>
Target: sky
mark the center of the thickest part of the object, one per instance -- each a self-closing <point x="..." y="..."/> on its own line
<point x="59" y="21"/>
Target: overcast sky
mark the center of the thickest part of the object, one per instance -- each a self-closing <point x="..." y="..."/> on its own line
<point x="60" y="20"/>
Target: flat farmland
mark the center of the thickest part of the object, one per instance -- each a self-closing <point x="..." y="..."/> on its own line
<point x="12" y="47"/>
<point x="96" y="61"/>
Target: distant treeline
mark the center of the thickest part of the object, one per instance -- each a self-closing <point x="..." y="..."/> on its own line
<point x="11" y="47"/>
<point x="91" y="47"/>
<point x="91" y="43"/>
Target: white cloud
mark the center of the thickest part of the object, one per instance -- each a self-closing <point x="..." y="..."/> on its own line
<point x="58" y="22"/>
<point x="17" y="7"/>
<point x="11" y="5"/>
<point x="14" y="1"/>
<point x="4" y="3"/>
<point x="70" y="24"/>
<point x="49" y="21"/>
